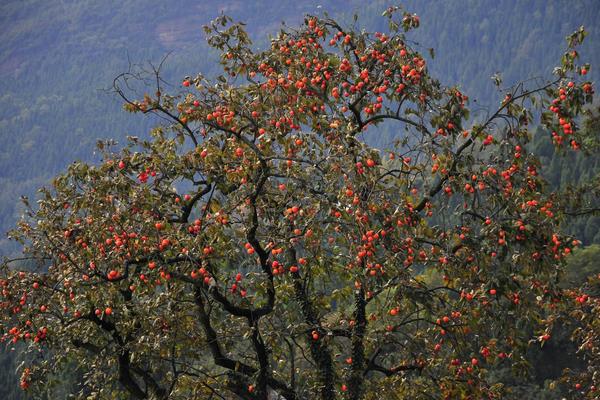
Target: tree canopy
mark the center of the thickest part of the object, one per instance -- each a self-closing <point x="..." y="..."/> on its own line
<point x="257" y="247"/>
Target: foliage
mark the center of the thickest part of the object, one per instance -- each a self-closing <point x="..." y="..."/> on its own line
<point x="57" y="59"/>
<point x="300" y="261"/>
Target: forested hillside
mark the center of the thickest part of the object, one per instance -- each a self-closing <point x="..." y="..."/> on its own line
<point x="58" y="60"/>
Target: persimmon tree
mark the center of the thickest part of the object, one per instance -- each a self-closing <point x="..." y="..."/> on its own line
<point x="256" y="247"/>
